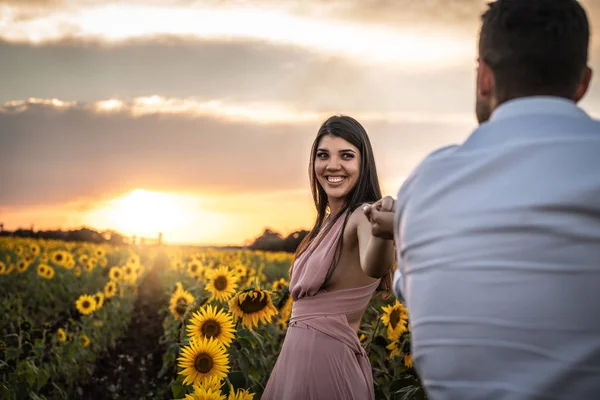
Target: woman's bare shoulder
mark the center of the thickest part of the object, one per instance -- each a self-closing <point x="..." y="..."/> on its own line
<point x="356" y="219"/>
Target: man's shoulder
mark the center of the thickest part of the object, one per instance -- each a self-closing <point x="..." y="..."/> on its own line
<point x="434" y="156"/>
<point x="440" y="153"/>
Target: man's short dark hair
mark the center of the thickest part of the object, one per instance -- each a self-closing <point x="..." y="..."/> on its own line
<point x="535" y="47"/>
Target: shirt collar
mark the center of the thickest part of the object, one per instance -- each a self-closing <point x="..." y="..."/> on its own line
<point x="520" y="120"/>
<point x="537" y="105"/>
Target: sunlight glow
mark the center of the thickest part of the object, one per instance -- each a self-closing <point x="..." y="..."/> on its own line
<point x="145" y="213"/>
<point x="253" y="112"/>
<point x="116" y="23"/>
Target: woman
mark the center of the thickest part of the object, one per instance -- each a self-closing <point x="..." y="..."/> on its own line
<point x="336" y="270"/>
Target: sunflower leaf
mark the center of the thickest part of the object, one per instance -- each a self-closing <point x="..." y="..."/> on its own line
<point x="237" y="379"/>
<point x="178" y="390"/>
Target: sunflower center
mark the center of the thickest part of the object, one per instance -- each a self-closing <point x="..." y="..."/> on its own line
<point x="211" y="328"/>
<point x="220" y="283"/>
<point x="59" y="257"/>
<point x="85" y="304"/>
<point x="181" y="308"/>
<point x="394" y="318"/>
<point x="203" y="363"/>
<point x="250" y="305"/>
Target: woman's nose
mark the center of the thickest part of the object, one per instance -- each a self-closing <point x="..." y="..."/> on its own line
<point x="333" y="164"/>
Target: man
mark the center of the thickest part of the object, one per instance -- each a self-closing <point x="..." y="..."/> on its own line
<point x="498" y="239"/>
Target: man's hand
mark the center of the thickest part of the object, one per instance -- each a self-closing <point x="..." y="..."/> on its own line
<point x="381" y="216"/>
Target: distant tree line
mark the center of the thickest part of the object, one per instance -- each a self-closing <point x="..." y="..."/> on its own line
<point x="273" y="241"/>
<point x="268" y="241"/>
<point x="79" y="235"/>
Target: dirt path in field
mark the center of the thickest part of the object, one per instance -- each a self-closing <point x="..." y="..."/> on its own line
<point x="130" y="370"/>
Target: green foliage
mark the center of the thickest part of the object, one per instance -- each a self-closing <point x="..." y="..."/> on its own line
<point x="37" y="363"/>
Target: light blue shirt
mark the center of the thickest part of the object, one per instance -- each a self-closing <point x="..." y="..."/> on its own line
<point x="499" y="257"/>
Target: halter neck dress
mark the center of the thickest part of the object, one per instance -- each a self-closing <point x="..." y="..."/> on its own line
<point x="321" y="357"/>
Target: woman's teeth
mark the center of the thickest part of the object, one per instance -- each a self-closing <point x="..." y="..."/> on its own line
<point x="335" y="179"/>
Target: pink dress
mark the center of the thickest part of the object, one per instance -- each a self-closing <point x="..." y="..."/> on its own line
<point x="321" y="357"/>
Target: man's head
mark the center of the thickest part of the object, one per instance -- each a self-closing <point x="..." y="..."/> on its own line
<point x="531" y="48"/>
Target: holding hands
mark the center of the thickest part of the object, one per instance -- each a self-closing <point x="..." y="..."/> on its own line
<point x="381" y="216"/>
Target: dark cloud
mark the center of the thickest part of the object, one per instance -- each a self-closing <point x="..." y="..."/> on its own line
<point x="238" y="71"/>
<point x="50" y="156"/>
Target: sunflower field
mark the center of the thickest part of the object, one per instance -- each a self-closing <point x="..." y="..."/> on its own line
<point x="94" y="321"/>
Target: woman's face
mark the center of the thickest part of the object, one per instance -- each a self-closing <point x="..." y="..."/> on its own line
<point x="337" y="166"/>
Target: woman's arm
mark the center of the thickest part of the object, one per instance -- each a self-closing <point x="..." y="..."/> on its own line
<point x="376" y="254"/>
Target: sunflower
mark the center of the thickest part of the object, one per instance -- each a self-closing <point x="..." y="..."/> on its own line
<point x="49" y="272"/>
<point x="58" y="257"/>
<point x="202" y="359"/>
<point x="178" y="286"/>
<point x="61" y="335"/>
<point x="70" y="264"/>
<point x="41" y="270"/>
<point x="128" y="270"/>
<point x="394" y="348"/>
<point x="195" y="269"/>
<point x="44" y="258"/>
<point x="213" y="384"/>
<point x="100" y="253"/>
<point x="115" y="274"/>
<point x="252" y="306"/>
<point x="240" y="270"/>
<point x="221" y="284"/>
<point x="2" y="268"/>
<point x="86" y="304"/>
<point x="286" y="311"/>
<point x="212" y="323"/>
<point x="99" y="299"/>
<point x="77" y="271"/>
<point x="395" y="317"/>
<point x="83" y="259"/>
<point x="22" y="266"/>
<point x="103" y="262"/>
<point x="408" y="361"/>
<point x="35" y="249"/>
<point x="178" y="265"/>
<point x="90" y="264"/>
<point x="201" y="393"/>
<point x="85" y="340"/>
<point x="241" y="394"/>
<point x="280" y="284"/>
<point x="133" y="259"/>
<point x="180" y="302"/>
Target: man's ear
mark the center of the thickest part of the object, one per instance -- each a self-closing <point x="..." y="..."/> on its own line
<point x="485" y="80"/>
<point x="584" y="84"/>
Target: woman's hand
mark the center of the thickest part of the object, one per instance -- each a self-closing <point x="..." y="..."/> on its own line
<point x="381" y="216"/>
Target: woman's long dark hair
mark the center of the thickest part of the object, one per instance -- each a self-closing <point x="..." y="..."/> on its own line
<point x="366" y="189"/>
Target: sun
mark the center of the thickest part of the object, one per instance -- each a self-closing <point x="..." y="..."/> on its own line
<point x="144" y="213"/>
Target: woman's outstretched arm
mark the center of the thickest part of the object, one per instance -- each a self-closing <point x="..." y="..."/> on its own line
<point x="376" y="254"/>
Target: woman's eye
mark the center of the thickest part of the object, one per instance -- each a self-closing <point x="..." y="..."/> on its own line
<point x="347" y="156"/>
<point x="321" y="155"/>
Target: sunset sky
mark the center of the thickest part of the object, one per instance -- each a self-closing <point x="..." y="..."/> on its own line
<point x="196" y="118"/>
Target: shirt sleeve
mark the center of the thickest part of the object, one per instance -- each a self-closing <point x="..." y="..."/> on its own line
<point x="399" y="282"/>
<point x="401" y="198"/>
